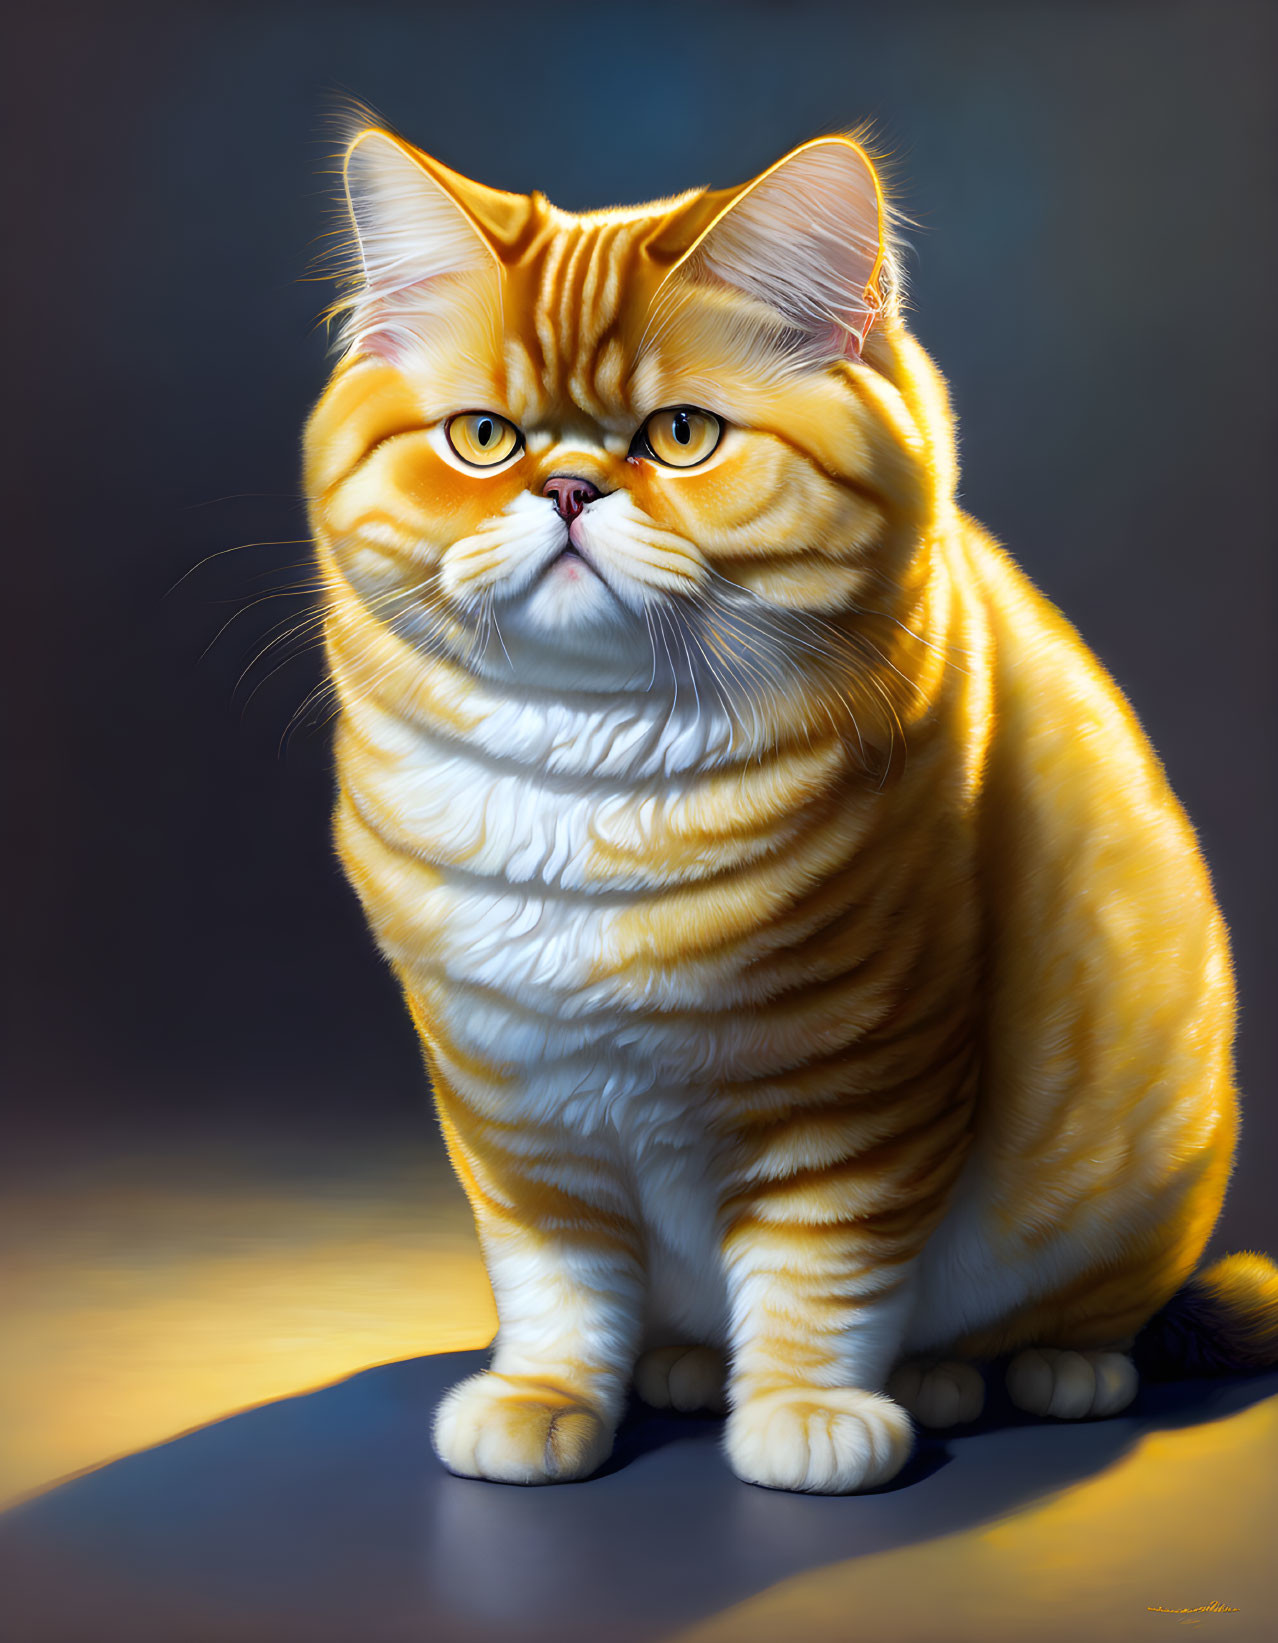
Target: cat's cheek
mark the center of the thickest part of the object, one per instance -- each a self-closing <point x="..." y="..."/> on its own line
<point x="462" y="498"/>
<point x="361" y="408"/>
<point x="720" y="502"/>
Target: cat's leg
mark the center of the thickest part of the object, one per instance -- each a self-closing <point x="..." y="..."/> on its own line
<point x="822" y="1268"/>
<point x="686" y="1378"/>
<point x="565" y="1265"/>
<point x="815" y="1333"/>
<point x="938" y="1393"/>
<point x="1072" y="1385"/>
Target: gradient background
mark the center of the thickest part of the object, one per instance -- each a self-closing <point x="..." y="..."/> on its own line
<point x="193" y="1004"/>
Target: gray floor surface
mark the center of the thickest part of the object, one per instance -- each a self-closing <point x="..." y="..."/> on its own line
<point x="325" y="1518"/>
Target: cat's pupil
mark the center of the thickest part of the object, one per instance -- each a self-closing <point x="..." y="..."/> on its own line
<point x="682" y="427"/>
<point x="485" y="431"/>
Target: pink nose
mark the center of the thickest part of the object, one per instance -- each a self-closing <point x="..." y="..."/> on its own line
<point x="570" y="494"/>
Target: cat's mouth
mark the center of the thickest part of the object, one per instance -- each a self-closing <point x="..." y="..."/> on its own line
<point x="572" y="563"/>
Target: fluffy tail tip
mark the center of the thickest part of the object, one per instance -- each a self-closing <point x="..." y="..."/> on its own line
<point x="1224" y="1321"/>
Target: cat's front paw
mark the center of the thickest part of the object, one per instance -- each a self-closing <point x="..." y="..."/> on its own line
<point x="511" y="1429"/>
<point x="683" y="1378"/>
<point x="825" y="1440"/>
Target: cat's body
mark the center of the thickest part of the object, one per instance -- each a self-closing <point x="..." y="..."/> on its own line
<point x="812" y="962"/>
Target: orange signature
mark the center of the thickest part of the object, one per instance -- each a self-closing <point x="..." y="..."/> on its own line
<point x="1202" y="1608"/>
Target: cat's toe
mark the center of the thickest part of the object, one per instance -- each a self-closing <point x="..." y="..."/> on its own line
<point x="828" y="1440"/>
<point x="1071" y="1385"/>
<point x="682" y="1377"/>
<point x="513" y="1430"/>
<point x="939" y="1395"/>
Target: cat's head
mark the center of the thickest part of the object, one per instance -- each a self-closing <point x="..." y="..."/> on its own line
<point x="681" y="433"/>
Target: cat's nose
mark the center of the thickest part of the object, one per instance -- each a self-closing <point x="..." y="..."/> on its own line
<point x="570" y="494"/>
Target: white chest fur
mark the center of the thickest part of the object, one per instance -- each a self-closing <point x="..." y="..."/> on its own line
<point x="509" y="823"/>
<point x="510" y="937"/>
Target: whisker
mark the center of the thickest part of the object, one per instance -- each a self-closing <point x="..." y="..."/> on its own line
<point x="312" y="696"/>
<point x="314" y="621"/>
<point x="262" y="599"/>
<point x="652" y="640"/>
<point x="283" y="542"/>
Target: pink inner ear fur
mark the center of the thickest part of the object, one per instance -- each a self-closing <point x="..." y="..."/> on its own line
<point x="807" y="239"/>
<point x="409" y="234"/>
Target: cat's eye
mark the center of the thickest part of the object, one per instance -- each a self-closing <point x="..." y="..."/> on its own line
<point x="482" y="438"/>
<point x="680" y="437"/>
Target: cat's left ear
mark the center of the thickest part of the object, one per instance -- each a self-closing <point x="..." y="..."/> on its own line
<point x="809" y="238"/>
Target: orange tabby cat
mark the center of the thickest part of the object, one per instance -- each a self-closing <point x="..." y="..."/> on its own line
<point x="821" y="986"/>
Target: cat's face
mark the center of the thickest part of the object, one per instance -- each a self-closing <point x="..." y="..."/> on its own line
<point x="585" y="446"/>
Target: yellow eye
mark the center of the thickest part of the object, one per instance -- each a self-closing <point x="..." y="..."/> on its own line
<point x="682" y="437"/>
<point x="482" y="438"/>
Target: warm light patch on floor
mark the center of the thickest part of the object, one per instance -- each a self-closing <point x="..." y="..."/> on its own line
<point x="149" y="1291"/>
<point x="1168" y="1539"/>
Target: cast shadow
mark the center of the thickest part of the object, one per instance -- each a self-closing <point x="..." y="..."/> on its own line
<point x="325" y="1518"/>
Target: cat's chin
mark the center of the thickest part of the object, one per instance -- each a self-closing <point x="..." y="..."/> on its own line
<point x="571" y="629"/>
<point x="570" y="598"/>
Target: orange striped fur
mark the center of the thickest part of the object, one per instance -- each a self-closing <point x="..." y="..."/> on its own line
<point x="820" y="985"/>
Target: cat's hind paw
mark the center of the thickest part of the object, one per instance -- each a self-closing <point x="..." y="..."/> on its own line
<point x="825" y="1440"/>
<point x="938" y="1395"/>
<point x="1071" y="1385"/>
<point x="683" y="1378"/>
<point x="512" y="1429"/>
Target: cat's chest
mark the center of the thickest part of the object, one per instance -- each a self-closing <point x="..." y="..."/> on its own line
<point x="531" y="881"/>
<point x="520" y="848"/>
<point x="540" y="795"/>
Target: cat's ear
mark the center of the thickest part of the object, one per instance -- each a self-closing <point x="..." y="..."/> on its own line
<point x="414" y="222"/>
<point x="809" y="239"/>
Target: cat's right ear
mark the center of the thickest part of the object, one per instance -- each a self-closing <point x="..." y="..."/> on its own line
<point x="808" y="238"/>
<point x="415" y="222"/>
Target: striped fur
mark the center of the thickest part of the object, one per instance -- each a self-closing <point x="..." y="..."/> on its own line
<point x="812" y="963"/>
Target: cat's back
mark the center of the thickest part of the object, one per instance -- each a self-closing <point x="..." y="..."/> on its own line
<point x="1076" y="810"/>
<point x="1107" y="995"/>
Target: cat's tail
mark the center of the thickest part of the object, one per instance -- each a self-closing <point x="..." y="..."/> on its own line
<point x="1224" y="1321"/>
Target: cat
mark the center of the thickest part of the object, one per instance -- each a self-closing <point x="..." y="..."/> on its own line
<point x="822" y="990"/>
